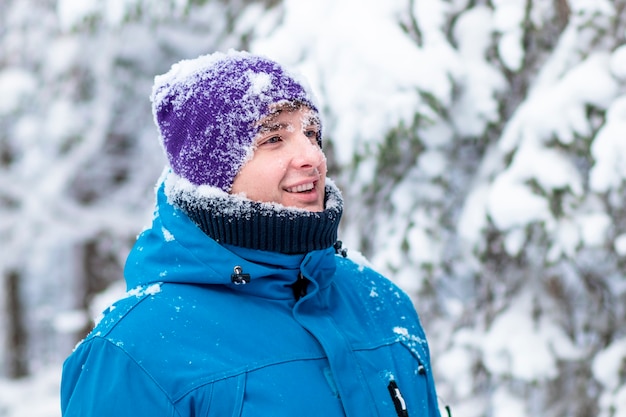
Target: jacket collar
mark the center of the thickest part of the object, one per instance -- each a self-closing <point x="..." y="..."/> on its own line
<point x="175" y="250"/>
<point x="241" y="222"/>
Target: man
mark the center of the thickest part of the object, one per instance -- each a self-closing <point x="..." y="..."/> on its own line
<point x="240" y="301"/>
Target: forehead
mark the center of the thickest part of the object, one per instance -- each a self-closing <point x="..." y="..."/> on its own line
<point x="283" y="114"/>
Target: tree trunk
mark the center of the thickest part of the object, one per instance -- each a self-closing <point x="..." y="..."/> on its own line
<point x="16" y="341"/>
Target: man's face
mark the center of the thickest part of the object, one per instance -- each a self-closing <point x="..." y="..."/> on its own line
<point x="288" y="166"/>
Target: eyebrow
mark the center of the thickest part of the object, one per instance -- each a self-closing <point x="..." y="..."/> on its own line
<point x="312" y="120"/>
<point x="271" y="126"/>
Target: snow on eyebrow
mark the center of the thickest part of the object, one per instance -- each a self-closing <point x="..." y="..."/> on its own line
<point x="310" y="118"/>
<point x="271" y="126"/>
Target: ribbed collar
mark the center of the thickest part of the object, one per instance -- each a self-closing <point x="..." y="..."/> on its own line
<point x="234" y="220"/>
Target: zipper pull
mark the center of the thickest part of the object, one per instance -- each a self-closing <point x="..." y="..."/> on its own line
<point x="238" y="277"/>
<point x="398" y="399"/>
<point x="339" y="250"/>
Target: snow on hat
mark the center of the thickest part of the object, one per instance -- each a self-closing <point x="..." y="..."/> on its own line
<point x="207" y="111"/>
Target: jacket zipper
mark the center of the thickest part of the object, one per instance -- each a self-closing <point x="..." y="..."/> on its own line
<point x="299" y="287"/>
<point x="398" y="399"/>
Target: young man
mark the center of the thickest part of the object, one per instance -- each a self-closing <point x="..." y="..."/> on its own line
<point x="240" y="301"/>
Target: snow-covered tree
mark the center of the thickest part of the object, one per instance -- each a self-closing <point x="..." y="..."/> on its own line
<point x="79" y="155"/>
<point x="480" y="145"/>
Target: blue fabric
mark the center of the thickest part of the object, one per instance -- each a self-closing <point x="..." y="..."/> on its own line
<point x="186" y="341"/>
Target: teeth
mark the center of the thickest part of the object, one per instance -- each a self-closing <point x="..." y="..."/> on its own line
<point x="301" y="188"/>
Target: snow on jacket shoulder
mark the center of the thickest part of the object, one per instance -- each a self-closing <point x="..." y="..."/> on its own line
<point x="187" y="341"/>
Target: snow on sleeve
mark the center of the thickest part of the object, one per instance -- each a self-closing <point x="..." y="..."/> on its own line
<point x="412" y="339"/>
<point x="140" y="290"/>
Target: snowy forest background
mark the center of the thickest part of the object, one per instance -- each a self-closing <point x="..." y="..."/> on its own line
<point x="480" y="145"/>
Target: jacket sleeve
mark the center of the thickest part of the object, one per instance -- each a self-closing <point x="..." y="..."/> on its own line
<point x="99" y="379"/>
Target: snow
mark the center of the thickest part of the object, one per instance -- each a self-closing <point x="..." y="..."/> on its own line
<point x="506" y="353"/>
<point x="456" y="363"/>
<point x="16" y="86"/>
<point x="604" y="368"/>
<point x="140" y="291"/>
<point x="70" y="321"/>
<point x="608" y="369"/>
<point x="507" y="404"/>
<point x="169" y="237"/>
<point x="61" y="55"/>
<point x="512" y="204"/>
<point x="620" y="245"/>
<point x="402" y="331"/>
<point x="70" y="13"/>
<point x="36" y="396"/>
<point x="365" y="71"/>
<point x="338" y="78"/>
<point x="508" y="18"/>
<point x="609" y="150"/>
<point x="618" y="63"/>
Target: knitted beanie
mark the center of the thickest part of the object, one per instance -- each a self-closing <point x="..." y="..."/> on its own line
<point x="207" y="110"/>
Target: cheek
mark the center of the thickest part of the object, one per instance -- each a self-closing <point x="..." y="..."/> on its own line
<point x="270" y="170"/>
<point x="276" y="165"/>
<point x="323" y="166"/>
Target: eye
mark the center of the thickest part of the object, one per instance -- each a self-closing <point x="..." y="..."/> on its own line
<point x="313" y="134"/>
<point x="270" y="140"/>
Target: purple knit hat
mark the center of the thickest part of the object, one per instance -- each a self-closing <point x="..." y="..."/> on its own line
<point x="206" y="110"/>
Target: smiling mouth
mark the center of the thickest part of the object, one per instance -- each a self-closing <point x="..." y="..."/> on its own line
<point x="302" y="188"/>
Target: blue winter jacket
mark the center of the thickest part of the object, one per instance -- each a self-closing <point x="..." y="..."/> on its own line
<point x="186" y="341"/>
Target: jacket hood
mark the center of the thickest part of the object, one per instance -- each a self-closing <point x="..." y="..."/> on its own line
<point x="175" y="250"/>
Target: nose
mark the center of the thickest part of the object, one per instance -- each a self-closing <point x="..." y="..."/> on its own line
<point x="306" y="152"/>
